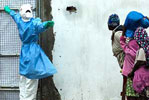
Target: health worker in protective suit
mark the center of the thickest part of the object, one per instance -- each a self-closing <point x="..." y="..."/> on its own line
<point x="34" y="64"/>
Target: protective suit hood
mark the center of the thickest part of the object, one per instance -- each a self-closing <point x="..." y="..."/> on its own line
<point x="26" y="12"/>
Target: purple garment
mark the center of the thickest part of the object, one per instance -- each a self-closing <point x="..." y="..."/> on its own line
<point x="141" y="76"/>
<point x="130" y="50"/>
<point x="141" y="79"/>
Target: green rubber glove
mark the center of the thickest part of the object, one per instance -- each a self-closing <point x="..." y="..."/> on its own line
<point x="49" y="24"/>
<point x="7" y="9"/>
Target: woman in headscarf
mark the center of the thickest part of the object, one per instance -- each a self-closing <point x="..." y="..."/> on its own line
<point x="130" y="48"/>
<point x="141" y="67"/>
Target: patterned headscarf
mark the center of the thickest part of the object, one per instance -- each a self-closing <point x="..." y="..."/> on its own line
<point x="142" y="39"/>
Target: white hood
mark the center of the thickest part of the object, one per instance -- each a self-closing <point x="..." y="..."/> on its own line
<point x="26" y="12"/>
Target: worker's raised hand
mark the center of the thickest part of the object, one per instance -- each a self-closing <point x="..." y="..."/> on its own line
<point x="7" y="9"/>
<point x="49" y="24"/>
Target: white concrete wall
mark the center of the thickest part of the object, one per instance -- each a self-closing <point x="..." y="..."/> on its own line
<point x="82" y="52"/>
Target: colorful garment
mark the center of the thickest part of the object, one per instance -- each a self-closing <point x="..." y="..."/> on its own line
<point x="130" y="50"/>
<point x="142" y="39"/>
<point x="129" y="89"/>
<point x="141" y="79"/>
<point x="141" y="76"/>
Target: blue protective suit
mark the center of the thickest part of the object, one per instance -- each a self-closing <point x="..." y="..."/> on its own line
<point x="133" y="21"/>
<point x="34" y="64"/>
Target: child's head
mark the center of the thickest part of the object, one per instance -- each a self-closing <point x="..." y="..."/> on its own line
<point x="26" y="12"/>
<point x="113" y="21"/>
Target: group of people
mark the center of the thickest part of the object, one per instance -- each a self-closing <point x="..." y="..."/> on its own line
<point x="130" y="45"/>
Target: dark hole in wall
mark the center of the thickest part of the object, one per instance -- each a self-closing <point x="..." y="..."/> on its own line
<point x="71" y="9"/>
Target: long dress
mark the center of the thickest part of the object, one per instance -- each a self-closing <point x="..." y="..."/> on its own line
<point x="130" y="50"/>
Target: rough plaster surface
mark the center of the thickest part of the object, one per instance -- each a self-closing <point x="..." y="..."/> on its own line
<point x="82" y="51"/>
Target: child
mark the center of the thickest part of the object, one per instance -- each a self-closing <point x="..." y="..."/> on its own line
<point x="34" y="64"/>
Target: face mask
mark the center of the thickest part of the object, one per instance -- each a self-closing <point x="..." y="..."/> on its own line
<point x="29" y="15"/>
<point x="26" y="12"/>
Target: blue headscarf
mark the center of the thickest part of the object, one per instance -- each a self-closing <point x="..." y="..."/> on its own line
<point x="113" y="21"/>
<point x="133" y="21"/>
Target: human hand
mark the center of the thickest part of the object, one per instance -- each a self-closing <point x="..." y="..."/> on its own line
<point x="7" y="9"/>
<point x="49" y="24"/>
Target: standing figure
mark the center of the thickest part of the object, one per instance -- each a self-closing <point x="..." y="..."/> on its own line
<point x="117" y="30"/>
<point x="130" y="48"/>
<point x="141" y="66"/>
<point x="34" y="64"/>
